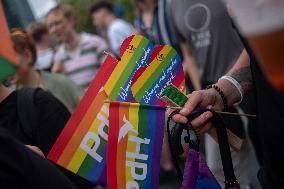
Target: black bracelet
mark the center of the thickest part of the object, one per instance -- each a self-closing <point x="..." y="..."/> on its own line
<point x="220" y="92"/>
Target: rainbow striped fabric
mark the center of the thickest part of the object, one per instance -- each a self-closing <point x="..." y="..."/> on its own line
<point x="144" y="72"/>
<point x="81" y="147"/>
<point x="135" y="53"/>
<point x="165" y="69"/>
<point x="134" y="146"/>
<point x="8" y="59"/>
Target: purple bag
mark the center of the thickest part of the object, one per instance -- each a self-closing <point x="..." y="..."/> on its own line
<point x="197" y="174"/>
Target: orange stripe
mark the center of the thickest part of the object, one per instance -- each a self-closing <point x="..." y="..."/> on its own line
<point x="121" y="149"/>
<point x="82" y="129"/>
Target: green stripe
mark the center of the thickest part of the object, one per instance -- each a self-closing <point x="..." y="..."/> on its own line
<point x="142" y="130"/>
<point x="156" y="74"/>
<point x="89" y="162"/>
<point x="129" y="69"/>
<point x="86" y="166"/>
<point x="6" y="69"/>
<point x="143" y="121"/>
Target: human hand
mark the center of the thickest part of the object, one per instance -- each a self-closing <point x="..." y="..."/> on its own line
<point x="36" y="150"/>
<point x="202" y="98"/>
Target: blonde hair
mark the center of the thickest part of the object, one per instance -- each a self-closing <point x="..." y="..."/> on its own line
<point x="67" y="11"/>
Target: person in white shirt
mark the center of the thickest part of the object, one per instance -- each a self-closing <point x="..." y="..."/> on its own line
<point x="116" y="29"/>
<point x="80" y="55"/>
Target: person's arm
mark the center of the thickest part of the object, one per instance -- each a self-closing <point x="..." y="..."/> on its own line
<point x="22" y="168"/>
<point x="190" y="66"/>
<point x="57" y="68"/>
<point x="58" y="64"/>
<point x="211" y="98"/>
<point x="242" y="73"/>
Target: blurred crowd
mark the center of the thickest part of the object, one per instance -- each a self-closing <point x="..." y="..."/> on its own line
<point x="60" y="62"/>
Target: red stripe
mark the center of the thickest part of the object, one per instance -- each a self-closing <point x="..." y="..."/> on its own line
<point x="125" y="44"/>
<point x="112" y="144"/>
<point x="71" y="126"/>
<point x="179" y="81"/>
<point x="155" y="52"/>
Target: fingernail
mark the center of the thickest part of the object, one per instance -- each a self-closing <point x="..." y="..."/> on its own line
<point x="183" y="120"/>
<point x="207" y="115"/>
<point x="184" y="111"/>
<point x="210" y="107"/>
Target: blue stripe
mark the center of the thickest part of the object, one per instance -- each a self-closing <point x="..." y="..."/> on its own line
<point x="159" y="135"/>
<point x="97" y="169"/>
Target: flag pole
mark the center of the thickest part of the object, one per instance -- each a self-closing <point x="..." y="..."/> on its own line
<point x="219" y="112"/>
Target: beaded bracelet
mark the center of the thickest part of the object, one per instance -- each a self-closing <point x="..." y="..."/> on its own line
<point x="220" y="92"/>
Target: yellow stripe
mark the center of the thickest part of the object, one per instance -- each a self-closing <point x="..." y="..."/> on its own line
<point x="131" y="146"/>
<point x="118" y="71"/>
<point x="80" y="155"/>
<point x="148" y="72"/>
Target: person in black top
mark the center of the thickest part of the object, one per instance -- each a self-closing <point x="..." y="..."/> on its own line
<point x="35" y="117"/>
<point x="21" y="168"/>
<point x="50" y="116"/>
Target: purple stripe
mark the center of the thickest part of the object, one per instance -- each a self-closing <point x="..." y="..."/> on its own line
<point x="159" y="130"/>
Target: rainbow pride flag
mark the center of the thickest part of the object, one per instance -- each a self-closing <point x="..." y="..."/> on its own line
<point x="135" y="53"/>
<point x="8" y="59"/>
<point x="134" y="145"/>
<point x="165" y="69"/>
<point x="81" y="146"/>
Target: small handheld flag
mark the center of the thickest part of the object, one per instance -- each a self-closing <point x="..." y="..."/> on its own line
<point x="135" y="52"/>
<point x="81" y="146"/>
<point x="134" y="146"/>
<point x="165" y="68"/>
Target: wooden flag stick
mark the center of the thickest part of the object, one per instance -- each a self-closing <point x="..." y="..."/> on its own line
<point x="106" y="53"/>
<point x="219" y="112"/>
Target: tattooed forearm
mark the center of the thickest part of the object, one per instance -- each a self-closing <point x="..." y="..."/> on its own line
<point x="244" y="77"/>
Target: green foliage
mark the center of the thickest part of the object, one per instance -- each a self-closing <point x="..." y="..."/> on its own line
<point x="129" y="9"/>
<point x="82" y="7"/>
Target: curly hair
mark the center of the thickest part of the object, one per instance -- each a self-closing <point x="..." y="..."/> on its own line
<point x="23" y="41"/>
